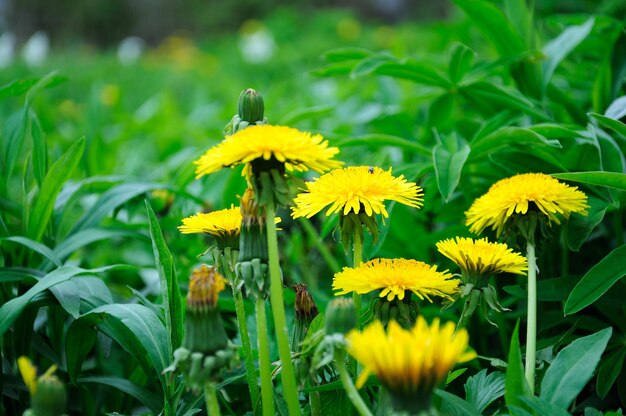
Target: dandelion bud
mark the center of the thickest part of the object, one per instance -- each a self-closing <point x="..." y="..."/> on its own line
<point x="47" y="392"/>
<point x="306" y="311"/>
<point x="340" y="316"/>
<point x="251" y="107"/>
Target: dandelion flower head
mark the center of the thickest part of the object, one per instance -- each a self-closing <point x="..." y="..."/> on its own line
<point x="393" y="277"/>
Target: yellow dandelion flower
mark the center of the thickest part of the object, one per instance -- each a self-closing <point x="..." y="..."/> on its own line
<point x="295" y="149"/>
<point x="205" y="285"/>
<point x="225" y="222"/>
<point x="480" y="257"/>
<point x="395" y="276"/>
<point x="523" y="193"/>
<point x="409" y="361"/>
<point x="355" y="188"/>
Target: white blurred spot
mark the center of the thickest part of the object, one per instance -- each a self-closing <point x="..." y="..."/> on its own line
<point x="130" y="50"/>
<point x="36" y="49"/>
<point x="257" y="46"/>
<point x="7" y="49"/>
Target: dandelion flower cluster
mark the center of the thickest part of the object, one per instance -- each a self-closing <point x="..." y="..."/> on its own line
<point x="225" y="222"/>
<point x="521" y="193"/>
<point x="409" y="361"/>
<point x="354" y="189"/>
<point x="297" y="150"/>
<point x="480" y="257"/>
<point x="395" y="276"/>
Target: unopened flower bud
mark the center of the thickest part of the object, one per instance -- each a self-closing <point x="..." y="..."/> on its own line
<point x="251" y="107"/>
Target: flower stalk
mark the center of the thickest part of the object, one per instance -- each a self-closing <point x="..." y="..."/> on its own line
<point x="531" y="323"/>
<point x="267" y="388"/>
<point x="278" y="311"/>
<point x="210" y="398"/>
<point x="348" y="384"/>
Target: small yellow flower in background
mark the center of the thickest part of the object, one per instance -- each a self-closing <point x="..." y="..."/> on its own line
<point x="295" y="149"/>
<point x="347" y="190"/>
<point x="409" y="361"/>
<point x="395" y="276"/>
<point x="205" y="285"/>
<point x="523" y="193"/>
<point x="480" y="257"/>
<point x="225" y="222"/>
<point x="29" y="373"/>
<point x="110" y="95"/>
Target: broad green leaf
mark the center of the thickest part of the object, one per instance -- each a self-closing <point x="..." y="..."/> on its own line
<point x="544" y="407"/>
<point x="19" y="274"/>
<point x="461" y="60"/>
<point x="494" y="25"/>
<point x="516" y="386"/>
<point x="573" y="367"/>
<point x="16" y="87"/>
<point x="370" y="64"/>
<point x="455" y="406"/>
<point x="14" y="132"/>
<point x="49" y="80"/>
<point x="11" y="310"/>
<point x="481" y="389"/>
<point x="609" y="179"/>
<point x="110" y="200"/>
<point x="36" y="247"/>
<point x="597" y="281"/>
<point x="58" y="174"/>
<point x="609" y="371"/>
<point x="413" y="70"/>
<point x="375" y="140"/>
<point x="82" y="294"/>
<point x="448" y="160"/>
<point x="611" y="123"/>
<point x="499" y="98"/>
<point x="170" y="289"/>
<point x="134" y="327"/>
<point x="558" y="48"/>
<point x="146" y="397"/>
<point x="580" y="227"/>
<point x="506" y="137"/>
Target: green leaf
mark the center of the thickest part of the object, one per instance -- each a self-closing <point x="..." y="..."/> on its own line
<point x="449" y="157"/>
<point x="558" y="48"/>
<point x="612" y="124"/>
<point x="494" y="24"/>
<point x="146" y="397"/>
<point x="609" y="179"/>
<point x="544" y="407"/>
<point x="516" y="386"/>
<point x="346" y="54"/>
<point x="110" y="200"/>
<point x="506" y="137"/>
<point x="11" y="310"/>
<point x="597" y="281"/>
<point x="14" y="133"/>
<point x="82" y="294"/>
<point x="376" y="140"/>
<point x="609" y="371"/>
<point x="40" y="153"/>
<point x="461" y="60"/>
<point x="16" y="87"/>
<point x="481" y="389"/>
<point x="135" y="327"/>
<point x="573" y="367"/>
<point x="370" y="64"/>
<point x="617" y="109"/>
<point x="580" y="227"/>
<point x="499" y="98"/>
<point x="91" y="235"/>
<point x="49" y="80"/>
<point x="59" y="173"/>
<point x="36" y="247"/>
<point x="455" y="406"/>
<point x="170" y="290"/>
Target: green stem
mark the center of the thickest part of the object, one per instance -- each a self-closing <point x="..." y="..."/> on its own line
<point x="348" y="385"/>
<point x="330" y="260"/>
<point x="210" y="398"/>
<point x="314" y="399"/>
<point x="245" y="338"/>
<point x="278" y="311"/>
<point x="267" y="388"/>
<point x="357" y="259"/>
<point x="531" y="325"/>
